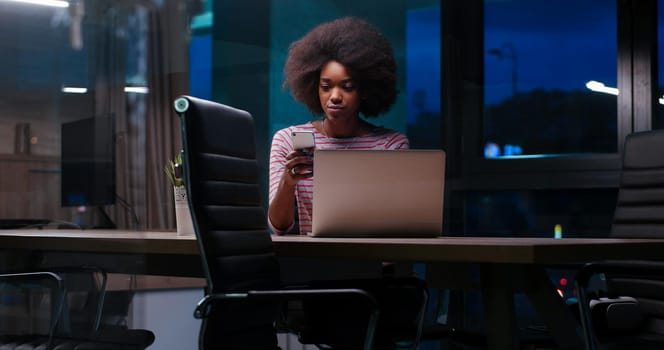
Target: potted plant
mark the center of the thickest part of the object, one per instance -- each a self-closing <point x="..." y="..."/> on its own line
<point x="173" y="171"/>
<point x="183" y="221"/>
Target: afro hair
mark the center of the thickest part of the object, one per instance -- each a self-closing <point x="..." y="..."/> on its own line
<point x="357" y="45"/>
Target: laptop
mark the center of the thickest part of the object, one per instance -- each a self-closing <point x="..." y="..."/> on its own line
<point x="371" y="193"/>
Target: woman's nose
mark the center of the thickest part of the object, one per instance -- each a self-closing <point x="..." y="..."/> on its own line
<point x="335" y="96"/>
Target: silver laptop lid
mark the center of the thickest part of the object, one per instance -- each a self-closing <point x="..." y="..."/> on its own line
<point x="369" y="193"/>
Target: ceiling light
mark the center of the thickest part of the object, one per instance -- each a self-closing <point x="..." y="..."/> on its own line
<point x="52" y="3"/>
<point x="136" y="89"/>
<point x="74" y="90"/>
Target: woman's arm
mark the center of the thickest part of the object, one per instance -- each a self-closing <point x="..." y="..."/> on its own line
<point x="281" y="209"/>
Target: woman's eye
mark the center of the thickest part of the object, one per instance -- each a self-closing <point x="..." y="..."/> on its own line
<point x="349" y="87"/>
<point x="324" y="87"/>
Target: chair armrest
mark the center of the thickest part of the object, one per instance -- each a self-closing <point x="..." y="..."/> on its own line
<point x="633" y="268"/>
<point x="203" y="306"/>
<point x="111" y="338"/>
<point x="89" y="269"/>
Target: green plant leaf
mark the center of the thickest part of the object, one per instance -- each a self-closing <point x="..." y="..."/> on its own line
<point x="173" y="171"/>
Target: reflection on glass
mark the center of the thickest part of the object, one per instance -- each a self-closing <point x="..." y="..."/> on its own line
<point x="570" y="213"/>
<point x="539" y="59"/>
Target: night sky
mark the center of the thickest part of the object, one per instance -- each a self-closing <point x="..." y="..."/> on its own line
<point x="556" y="48"/>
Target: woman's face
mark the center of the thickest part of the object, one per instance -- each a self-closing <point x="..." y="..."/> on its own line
<point x="338" y="92"/>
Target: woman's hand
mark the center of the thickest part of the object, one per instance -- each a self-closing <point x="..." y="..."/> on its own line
<point x="299" y="165"/>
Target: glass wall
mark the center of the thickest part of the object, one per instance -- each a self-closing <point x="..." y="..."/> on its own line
<point x="542" y="71"/>
<point x="542" y="67"/>
<point x="47" y="79"/>
<point x="531" y="79"/>
<point x="97" y="71"/>
<point x="123" y="61"/>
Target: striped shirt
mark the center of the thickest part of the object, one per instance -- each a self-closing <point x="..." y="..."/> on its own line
<point x="378" y="138"/>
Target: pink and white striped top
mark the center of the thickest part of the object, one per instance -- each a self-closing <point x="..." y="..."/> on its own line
<point x="379" y="138"/>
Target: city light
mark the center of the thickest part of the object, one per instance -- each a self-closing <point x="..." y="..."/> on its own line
<point x="600" y="87"/>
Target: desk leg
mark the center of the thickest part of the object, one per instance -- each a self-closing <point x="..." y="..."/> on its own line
<point x="497" y="297"/>
<point x="563" y="326"/>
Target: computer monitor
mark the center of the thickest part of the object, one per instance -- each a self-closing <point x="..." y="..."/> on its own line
<point x="88" y="162"/>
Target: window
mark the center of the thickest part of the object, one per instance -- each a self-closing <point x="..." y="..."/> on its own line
<point x="658" y="115"/>
<point x="424" y="119"/>
<point x="526" y="103"/>
<point x="550" y="78"/>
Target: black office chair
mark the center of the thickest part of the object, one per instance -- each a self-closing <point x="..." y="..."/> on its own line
<point x="61" y="309"/>
<point x="31" y="307"/>
<point x="627" y="311"/>
<point x="244" y="297"/>
<point x="622" y="303"/>
<point x="639" y="209"/>
<point x="87" y="318"/>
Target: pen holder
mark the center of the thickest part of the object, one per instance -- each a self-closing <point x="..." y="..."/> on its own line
<point x="185" y="226"/>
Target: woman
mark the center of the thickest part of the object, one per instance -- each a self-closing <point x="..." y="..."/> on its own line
<point x="340" y="70"/>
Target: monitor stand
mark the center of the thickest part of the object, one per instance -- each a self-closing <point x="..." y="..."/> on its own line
<point x="103" y="221"/>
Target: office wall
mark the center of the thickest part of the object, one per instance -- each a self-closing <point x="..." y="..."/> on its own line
<point x="169" y="315"/>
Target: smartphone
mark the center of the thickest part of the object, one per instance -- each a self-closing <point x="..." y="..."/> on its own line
<point x="303" y="140"/>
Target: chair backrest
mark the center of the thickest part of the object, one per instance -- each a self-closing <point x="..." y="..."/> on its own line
<point x="632" y="307"/>
<point x="640" y="206"/>
<point x="222" y="181"/>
